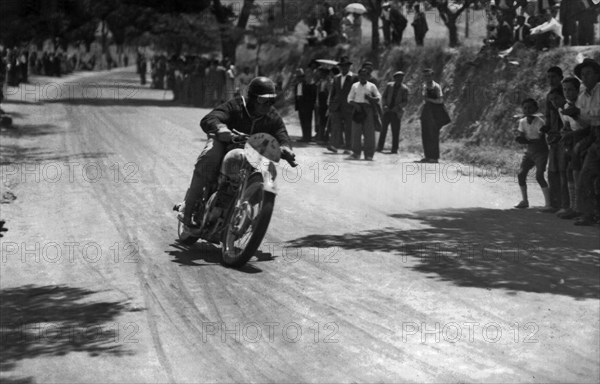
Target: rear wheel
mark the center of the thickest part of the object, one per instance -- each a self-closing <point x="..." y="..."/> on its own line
<point x="248" y="225"/>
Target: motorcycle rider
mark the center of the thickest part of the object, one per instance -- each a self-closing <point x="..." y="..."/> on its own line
<point x="252" y="114"/>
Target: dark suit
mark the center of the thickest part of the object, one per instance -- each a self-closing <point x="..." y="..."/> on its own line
<point x="522" y="32"/>
<point x="394" y="99"/>
<point x="305" y="106"/>
<point x="340" y="112"/>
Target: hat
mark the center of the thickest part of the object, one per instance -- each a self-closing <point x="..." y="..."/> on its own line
<point x="299" y="72"/>
<point x="385" y="5"/>
<point x="398" y="73"/>
<point x="428" y="71"/>
<point x="587" y="63"/>
<point x="344" y="61"/>
<point x="367" y="64"/>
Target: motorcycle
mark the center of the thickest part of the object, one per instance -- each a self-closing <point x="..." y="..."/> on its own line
<point x="237" y="215"/>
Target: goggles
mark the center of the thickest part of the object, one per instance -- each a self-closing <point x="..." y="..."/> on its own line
<point x="266" y="99"/>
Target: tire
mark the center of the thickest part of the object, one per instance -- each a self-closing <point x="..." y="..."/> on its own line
<point x="184" y="237"/>
<point x="260" y="229"/>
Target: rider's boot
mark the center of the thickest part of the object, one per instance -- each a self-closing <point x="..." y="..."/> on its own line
<point x="192" y="198"/>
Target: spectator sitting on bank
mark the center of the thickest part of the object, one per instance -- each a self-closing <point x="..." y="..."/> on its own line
<point x="522" y="31"/>
<point x="549" y="34"/>
<point x="536" y="155"/>
<point x="504" y="35"/>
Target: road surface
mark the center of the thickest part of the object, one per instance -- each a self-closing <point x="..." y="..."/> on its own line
<point x="383" y="271"/>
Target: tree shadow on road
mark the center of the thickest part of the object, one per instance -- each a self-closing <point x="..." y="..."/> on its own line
<point x="56" y="320"/>
<point x="31" y="130"/>
<point x="32" y="156"/>
<point x="514" y="250"/>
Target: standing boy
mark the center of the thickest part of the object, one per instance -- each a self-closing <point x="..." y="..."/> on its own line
<point x="536" y="154"/>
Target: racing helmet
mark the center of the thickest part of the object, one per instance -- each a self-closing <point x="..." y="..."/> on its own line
<point x="262" y="89"/>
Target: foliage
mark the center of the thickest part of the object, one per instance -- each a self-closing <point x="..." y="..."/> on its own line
<point x="168" y="24"/>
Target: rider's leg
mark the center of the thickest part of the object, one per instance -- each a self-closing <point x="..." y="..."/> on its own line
<point x="205" y="174"/>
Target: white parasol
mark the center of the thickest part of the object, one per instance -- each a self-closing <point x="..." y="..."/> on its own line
<point x="355" y="8"/>
<point x="327" y="61"/>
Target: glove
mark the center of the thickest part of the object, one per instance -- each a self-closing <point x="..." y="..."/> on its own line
<point x="287" y="154"/>
<point x="224" y="134"/>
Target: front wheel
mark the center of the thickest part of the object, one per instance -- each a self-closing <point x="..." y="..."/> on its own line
<point x="247" y="226"/>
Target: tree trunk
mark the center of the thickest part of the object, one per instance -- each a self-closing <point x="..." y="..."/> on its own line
<point x="453" y="31"/>
<point x="230" y="38"/>
<point x="232" y="35"/>
<point x="375" y="40"/>
<point x="374" y="14"/>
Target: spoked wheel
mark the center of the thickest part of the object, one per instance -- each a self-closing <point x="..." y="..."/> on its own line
<point x="185" y="236"/>
<point x="248" y="225"/>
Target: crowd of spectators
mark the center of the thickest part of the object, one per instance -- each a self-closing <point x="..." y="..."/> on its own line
<point x="196" y="80"/>
<point x="332" y="27"/>
<point x="544" y="24"/>
<point x="566" y="142"/>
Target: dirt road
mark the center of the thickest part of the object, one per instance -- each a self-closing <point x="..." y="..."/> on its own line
<point x="382" y="271"/>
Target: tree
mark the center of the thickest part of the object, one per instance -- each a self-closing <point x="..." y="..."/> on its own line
<point x="450" y="15"/>
<point x="231" y="34"/>
<point x="374" y="13"/>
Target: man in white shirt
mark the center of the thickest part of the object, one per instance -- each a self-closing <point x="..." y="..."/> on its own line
<point x="364" y="97"/>
<point x="548" y="34"/>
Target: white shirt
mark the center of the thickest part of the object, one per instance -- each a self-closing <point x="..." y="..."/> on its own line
<point x="589" y="104"/>
<point x="549" y="26"/>
<point x="436" y="87"/>
<point x="299" y="89"/>
<point x="531" y="131"/>
<point x="358" y="92"/>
